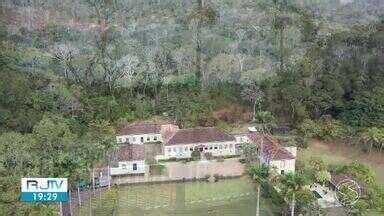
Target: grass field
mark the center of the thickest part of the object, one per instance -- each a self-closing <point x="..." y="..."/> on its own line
<point x="333" y="153"/>
<point x="225" y="197"/>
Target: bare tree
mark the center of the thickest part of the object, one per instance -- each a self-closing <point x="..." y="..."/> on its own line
<point x="253" y="94"/>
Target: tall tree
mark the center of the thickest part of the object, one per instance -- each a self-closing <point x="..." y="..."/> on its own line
<point x="291" y="183"/>
<point x="259" y="174"/>
<point x="201" y="15"/>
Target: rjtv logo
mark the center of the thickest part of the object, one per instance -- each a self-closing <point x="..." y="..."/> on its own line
<point x="44" y="190"/>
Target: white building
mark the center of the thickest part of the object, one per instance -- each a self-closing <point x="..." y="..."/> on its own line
<point x="130" y="160"/>
<point x="139" y="134"/>
<point x="180" y="143"/>
<point x="281" y="159"/>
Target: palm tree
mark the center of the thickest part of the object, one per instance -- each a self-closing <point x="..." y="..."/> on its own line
<point x="373" y="136"/>
<point x="260" y="174"/>
<point x="291" y="183"/>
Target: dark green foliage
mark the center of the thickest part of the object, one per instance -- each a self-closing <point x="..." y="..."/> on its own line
<point x="65" y="100"/>
<point x="195" y="155"/>
<point x="365" y="110"/>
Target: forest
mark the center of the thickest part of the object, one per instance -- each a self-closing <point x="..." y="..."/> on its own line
<point x="74" y="71"/>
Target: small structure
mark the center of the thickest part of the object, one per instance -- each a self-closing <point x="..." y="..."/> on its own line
<point x="130" y="160"/>
<point x="273" y="154"/>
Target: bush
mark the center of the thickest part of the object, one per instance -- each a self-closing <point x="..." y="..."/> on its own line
<point x="309" y="128"/>
<point x="270" y="192"/>
<point x="325" y="128"/>
<point x="220" y="159"/>
<point x="242" y="160"/>
<point x="301" y="142"/>
<point x="208" y="155"/>
<point x="195" y="155"/>
<point x="157" y="169"/>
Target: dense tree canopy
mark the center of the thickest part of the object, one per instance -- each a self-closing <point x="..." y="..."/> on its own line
<point x="71" y="71"/>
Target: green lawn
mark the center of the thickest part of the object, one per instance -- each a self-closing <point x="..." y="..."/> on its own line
<point x="333" y="153"/>
<point x="225" y="197"/>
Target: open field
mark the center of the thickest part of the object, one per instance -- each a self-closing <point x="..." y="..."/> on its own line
<point x="225" y="197"/>
<point x="340" y="153"/>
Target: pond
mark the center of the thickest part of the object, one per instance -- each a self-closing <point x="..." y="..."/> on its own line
<point x="225" y="197"/>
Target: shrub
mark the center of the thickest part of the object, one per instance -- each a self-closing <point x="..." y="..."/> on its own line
<point x="301" y="142"/>
<point x="242" y="160"/>
<point x="220" y="159"/>
<point x="208" y="155"/>
<point x="309" y="128"/>
<point x="323" y="176"/>
<point x="195" y="155"/>
<point x="325" y="128"/>
<point x="317" y="164"/>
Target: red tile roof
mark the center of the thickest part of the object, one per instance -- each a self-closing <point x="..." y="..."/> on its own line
<point x="270" y="147"/>
<point x="131" y="152"/>
<point x="140" y="128"/>
<point x="199" y="135"/>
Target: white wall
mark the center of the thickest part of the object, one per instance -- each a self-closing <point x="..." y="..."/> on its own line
<point x="184" y="151"/>
<point x="285" y="165"/>
<point x="136" y="139"/>
<point x="126" y="167"/>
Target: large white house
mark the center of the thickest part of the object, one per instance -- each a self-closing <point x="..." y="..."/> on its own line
<point x="180" y="143"/>
<point x="139" y="133"/>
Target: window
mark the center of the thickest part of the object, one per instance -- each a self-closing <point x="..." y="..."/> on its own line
<point x="206" y="148"/>
<point x="215" y="147"/>
<point x="148" y="138"/>
<point x="210" y="147"/>
<point x="134" y="166"/>
<point x="155" y="138"/>
<point x="191" y="149"/>
<point x="124" y="166"/>
<point x="226" y="146"/>
<point x="142" y="139"/>
<point x="282" y="172"/>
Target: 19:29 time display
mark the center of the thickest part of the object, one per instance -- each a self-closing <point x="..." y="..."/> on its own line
<point x="44" y="196"/>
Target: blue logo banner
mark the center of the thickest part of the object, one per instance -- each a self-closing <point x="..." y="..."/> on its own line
<point x="44" y="190"/>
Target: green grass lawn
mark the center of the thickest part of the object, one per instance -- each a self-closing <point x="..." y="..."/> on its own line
<point x="225" y="197"/>
<point x="334" y="153"/>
